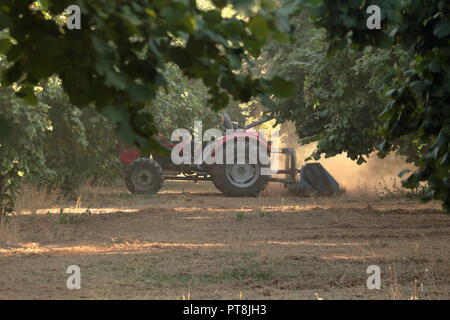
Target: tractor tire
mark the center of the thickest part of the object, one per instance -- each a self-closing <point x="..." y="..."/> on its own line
<point x="144" y="176"/>
<point x="224" y="183"/>
<point x="241" y="180"/>
<point x="223" y="177"/>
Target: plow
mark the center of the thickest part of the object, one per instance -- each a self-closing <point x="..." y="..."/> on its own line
<point x="244" y="172"/>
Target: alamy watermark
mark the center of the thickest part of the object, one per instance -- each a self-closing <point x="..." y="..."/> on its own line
<point x="374" y="20"/>
<point x="74" y="280"/>
<point x="74" y="17"/>
<point x="374" y="280"/>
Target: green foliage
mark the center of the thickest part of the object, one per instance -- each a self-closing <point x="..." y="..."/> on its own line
<point x="20" y="152"/>
<point x="80" y="147"/>
<point x="116" y="60"/>
<point x="337" y="99"/>
<point x="420" y="92"/>
<point x="52" y="144"/>
<point x="181" y="103"/>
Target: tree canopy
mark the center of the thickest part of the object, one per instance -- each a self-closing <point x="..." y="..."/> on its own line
<point x="338" y="98"/>
<point x="360" y="90"/>
<point x="116" y="60"/>
<point x="419" y="94"/>
<point x="391" y="93"/>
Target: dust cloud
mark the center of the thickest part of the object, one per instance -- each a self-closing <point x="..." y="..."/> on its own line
<point x="375" y="176"/>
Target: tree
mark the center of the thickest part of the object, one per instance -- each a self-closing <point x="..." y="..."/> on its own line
<point x="182" y="102"/>
<point x="50" y="143"/>
<point x="414" y="54"/>
<point x="20" y="153"/>
<point x="420" y="93"/>
<point x="80" y="147"/>
<point x="337" y="100"/>
<point x="116" y="60"/>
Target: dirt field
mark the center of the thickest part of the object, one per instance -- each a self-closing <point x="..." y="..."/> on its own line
<point x="190" y="242"/>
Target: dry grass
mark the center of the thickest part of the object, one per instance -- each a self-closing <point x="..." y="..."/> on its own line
<point x="190" y="242"/>
<point x="32" y="199"/>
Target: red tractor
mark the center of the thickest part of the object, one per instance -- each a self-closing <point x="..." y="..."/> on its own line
<point x="243" y="176"/>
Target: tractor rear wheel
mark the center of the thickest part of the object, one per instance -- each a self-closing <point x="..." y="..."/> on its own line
<point x="239" y="180"/>
<point x="144" y="176"/>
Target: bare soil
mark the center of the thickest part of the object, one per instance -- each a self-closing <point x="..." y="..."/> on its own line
<point x="191" y="242"/>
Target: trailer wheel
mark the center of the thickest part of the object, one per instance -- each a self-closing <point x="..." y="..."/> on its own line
<point x="144" y="176"/>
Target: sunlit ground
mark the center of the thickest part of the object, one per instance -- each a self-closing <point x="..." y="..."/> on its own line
<point x="192" y="242"/>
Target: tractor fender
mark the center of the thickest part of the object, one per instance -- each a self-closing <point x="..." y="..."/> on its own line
<point x="128" y="156"/>
<point x="253" y="139"/>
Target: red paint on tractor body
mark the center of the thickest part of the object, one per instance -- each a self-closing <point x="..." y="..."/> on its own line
<point x="128" y="156"/>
